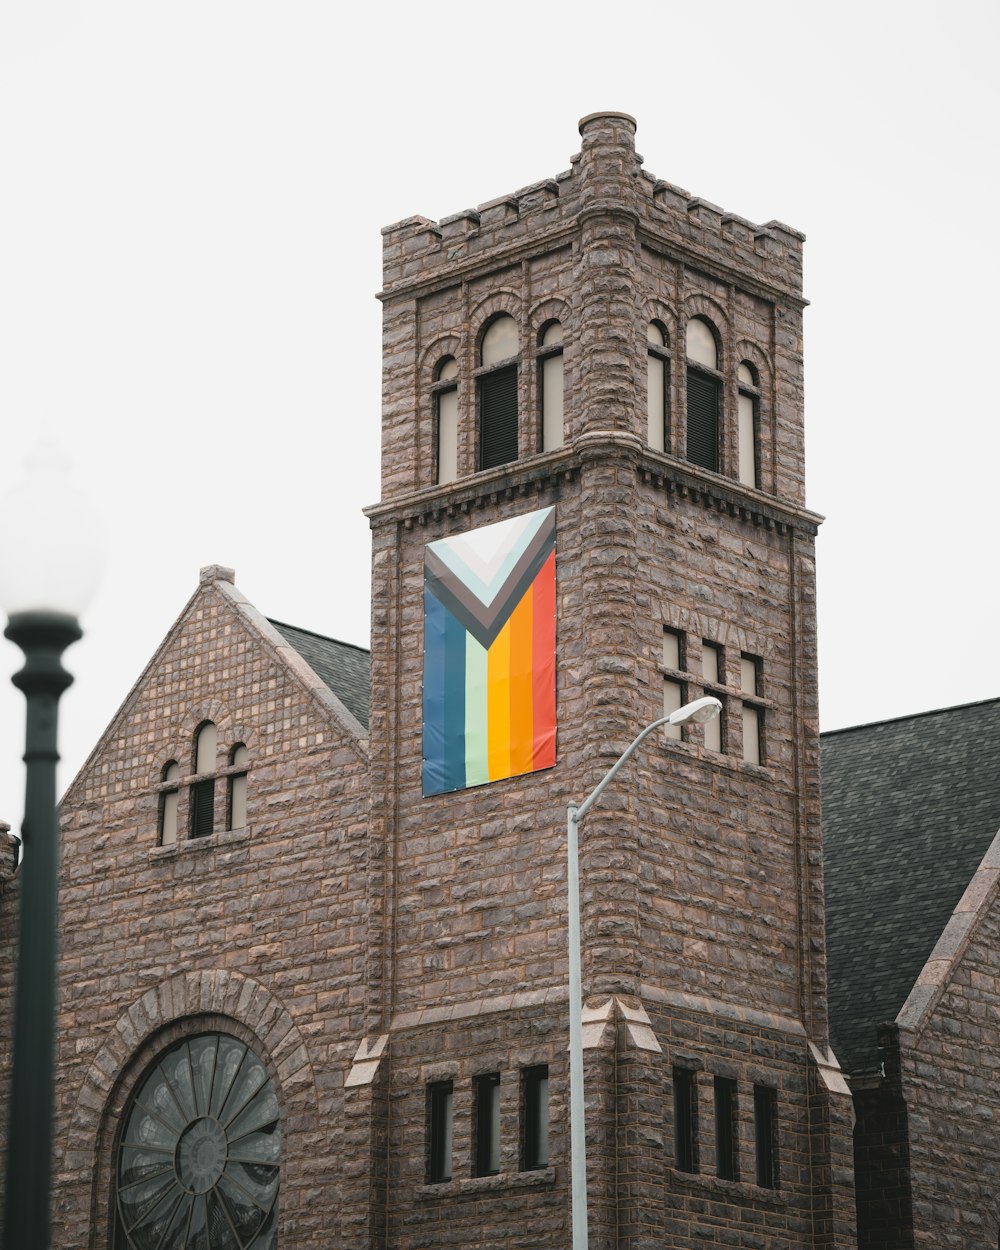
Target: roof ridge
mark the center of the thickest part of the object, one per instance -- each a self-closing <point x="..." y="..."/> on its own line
<point x="313" y="634"/>
<point x="892" y="720"/>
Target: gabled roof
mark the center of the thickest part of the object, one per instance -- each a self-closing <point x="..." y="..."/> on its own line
<point x="910" y="807"/>
<point x="346" y="669"/>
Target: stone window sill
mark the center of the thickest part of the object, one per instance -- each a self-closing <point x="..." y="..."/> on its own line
<point x="733" y="1191"/>
<point x="484" y="1186"/>
<point x="196" y="846"/>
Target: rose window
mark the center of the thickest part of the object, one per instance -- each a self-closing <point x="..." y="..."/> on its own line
<point x="198" y="1160"/>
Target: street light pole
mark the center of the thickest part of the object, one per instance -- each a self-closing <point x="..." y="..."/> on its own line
<point x="42" y="637"/>
<point x="49" y="568"/>
<point x="699" y="711"/>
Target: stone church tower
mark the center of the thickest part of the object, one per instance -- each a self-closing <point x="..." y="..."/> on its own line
<point x="604" y="345"/>
<point x="313" y="953"/>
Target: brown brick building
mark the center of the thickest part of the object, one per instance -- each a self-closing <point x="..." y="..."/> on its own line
<point x="313" y="977"/>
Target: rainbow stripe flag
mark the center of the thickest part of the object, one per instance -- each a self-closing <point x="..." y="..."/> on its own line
<point x="490" y="653"/>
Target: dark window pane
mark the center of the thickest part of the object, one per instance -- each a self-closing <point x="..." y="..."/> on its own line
<point x="725" y="1128"/>
<point x="498" y="417"/>
<point x="765" y="1114"/>
<point x="487" y="1126"/>
<point x="703" y="420"/>
<point x="536" y="1118"/>
<point x="685" y="1121"/>
<point x="439" y="1116"/>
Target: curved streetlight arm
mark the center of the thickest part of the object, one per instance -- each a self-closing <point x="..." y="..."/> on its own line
<point x="700" y="710"/>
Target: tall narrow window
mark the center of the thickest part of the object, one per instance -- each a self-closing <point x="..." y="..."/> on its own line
<point x="765" y="1118"/>
<point x="673" y="685"/>
<point x="713" y="675"/>
<point x="487" y="1126"/>
<point x="725" y="1128"/>
<point x="439" y="1131"/>
<point x="238" y="788"/>
<point x="550" y="359"/>
<point x="203" y="792"/>
<point x="446" y="401"/>
<point x="704" y="387"/>
<point x="498" y="394"/>
<point x="535" y="1152"/>
<point x="753" y="713"/>
<point x="747" y="429"/>
<point x="657" y="386"/>
<point x="685" y="1120"/>
<point x="168" y="805"/>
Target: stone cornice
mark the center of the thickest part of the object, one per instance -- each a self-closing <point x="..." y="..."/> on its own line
<point x="524" y="478"/>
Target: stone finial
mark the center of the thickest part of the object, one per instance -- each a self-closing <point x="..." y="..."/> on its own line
<point x="593" y="120"/>
<point x="216" y="573"/>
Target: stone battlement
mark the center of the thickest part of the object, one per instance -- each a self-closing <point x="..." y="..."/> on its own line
<point x="607" y="173"/>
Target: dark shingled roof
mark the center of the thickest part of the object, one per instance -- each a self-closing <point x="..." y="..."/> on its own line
<point x="344" y="668"/>
<point x="910" y="807"/>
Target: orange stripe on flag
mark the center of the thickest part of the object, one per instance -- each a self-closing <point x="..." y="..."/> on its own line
<point x="521" y="691"/>
<point x="498" y="704"/>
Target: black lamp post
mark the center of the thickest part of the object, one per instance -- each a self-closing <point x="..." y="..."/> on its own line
<point x="45" y="581"/>
<point x="42" y="637"/>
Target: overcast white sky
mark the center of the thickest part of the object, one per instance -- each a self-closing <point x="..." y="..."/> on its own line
<point x="189" y="252"/>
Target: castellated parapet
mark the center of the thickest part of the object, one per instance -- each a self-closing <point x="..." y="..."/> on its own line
<point x="413" y="248"/>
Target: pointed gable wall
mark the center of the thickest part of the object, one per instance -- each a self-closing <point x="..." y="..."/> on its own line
<point x="277" y="905"/>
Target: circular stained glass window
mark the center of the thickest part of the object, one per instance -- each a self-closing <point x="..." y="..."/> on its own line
<point x="198" y="1161"/>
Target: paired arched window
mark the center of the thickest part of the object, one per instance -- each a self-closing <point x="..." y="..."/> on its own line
<point x="446" y="403"/>
<point x="199" y="788"/>
<point x="239" y="759"/>
<point x="198" y="1159"/>
<point x="550" y="385"/>
<point x="748" y="433"/>
<point x="498" y="442"/>
<point x="704" y="394"/>
<point x="657" y="386"/>
<point x="169" y="800"/>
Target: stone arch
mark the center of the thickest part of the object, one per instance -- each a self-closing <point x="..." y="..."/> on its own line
<point x="657" y="310"/>
<point x="179" y="1005"/>
<point x="710" y="310"/>
<point x="548" y="310"/>
<point x="435" y="351"/>
<point x="488" y="309"/>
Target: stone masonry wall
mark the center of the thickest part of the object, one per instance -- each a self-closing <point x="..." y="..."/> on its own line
<point x="951" y="1081"/>
<point x="258" y="931"/>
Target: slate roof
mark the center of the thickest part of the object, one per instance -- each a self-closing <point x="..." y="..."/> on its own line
<point x="910" y="807"/>
<point x="346" y="669"/>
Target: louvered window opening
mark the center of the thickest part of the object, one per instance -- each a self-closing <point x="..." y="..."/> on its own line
<point x="202" y="809"/>
<point x="725" y="1128"/>
<point x="703" y="420"/>
<point x="498" y="417"/>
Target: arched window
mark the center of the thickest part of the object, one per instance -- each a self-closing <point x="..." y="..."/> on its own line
<point x="550" y="369"/>
<point x="704" y="391"/>
<point x="657" y="386"/>
<point x="168" y="804"/>
<point x="446" y="402"/>
<point x="203" y="791"/>
<point x="498" y="394"/>
<point x="239" y="758"/>
<point x="198" y="1159"/>
<point x="747" y="430"/>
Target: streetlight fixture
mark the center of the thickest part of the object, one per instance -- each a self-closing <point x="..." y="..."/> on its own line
<point x="49" y="568"/>
<point x="698" y="712"/>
